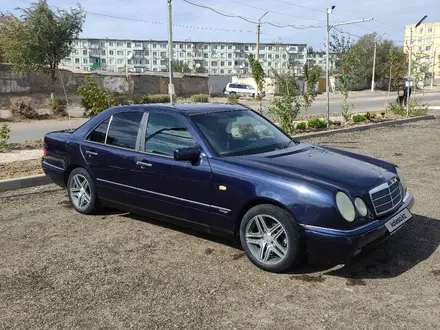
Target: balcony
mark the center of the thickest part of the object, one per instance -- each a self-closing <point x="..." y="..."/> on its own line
<point x="94" y="54"/>
<point x="139" y="56"/>
<point x="138" y="47"/>
<point x="94" y="46"/>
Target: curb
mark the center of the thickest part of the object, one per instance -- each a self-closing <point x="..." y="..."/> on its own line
<point x="363" y="127"/>
<point x="24" y="182"/>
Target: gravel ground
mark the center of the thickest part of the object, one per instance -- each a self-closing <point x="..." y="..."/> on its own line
<point x="60" y="269"/>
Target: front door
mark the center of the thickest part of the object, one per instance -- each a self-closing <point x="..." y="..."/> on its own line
<point x="110" y="152"/>
<point x="179" y="189"/>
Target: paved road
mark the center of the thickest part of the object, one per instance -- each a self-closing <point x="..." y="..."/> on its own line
<point x="63" y="270"/>
<point x="363" y="101"/>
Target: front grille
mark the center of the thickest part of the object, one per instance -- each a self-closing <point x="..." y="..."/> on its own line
<point x="386" y="197"/>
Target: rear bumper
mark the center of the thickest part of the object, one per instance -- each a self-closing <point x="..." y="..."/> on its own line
<point x="326" y="245"/>
<point x="56" y="174"/>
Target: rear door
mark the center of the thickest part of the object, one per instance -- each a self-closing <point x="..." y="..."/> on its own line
<point x="110" y="152"/>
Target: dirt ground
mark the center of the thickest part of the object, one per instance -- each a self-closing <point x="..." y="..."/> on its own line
<point x="20" y="168"/>
<point x="60" y="269"/>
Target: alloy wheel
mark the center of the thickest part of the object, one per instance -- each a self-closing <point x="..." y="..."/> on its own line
<point x="80" y="191"/>
<point x="266" y="239"/>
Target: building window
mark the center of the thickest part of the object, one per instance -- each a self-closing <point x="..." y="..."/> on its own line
<point x="163" y="54"/>
<point x="214" y="63"/>
<point x="214" y="70"/>
<point x="76" y="60"/>
<point x="229" y="63"/>
<point x="103" y="61"/>
<point x="188" y="46"/>
<point x="430" y="29"/>
<point x="85" y="68"/>
<point x="102" y="44"/>
<point x="120" y="53"/>
<point x="205" y="55"/>
<point x="76" y="51"/>
<point x="103" y="52"/>
<point x="222" y="63"/>
<point x="421" y="30"/>
<point x="222" y="71"/>
<point x="128" y="44"/>
<point x="112" y="61"/>
<point x="85" y="52"/>
<point x="222" y="47"/>
<point x="230" y="47"/>
<point x="129" y="62"/>
<point x="277" y="56"/>
<point x="229" y="55"/>
<point x="154" y="45"/>
<point x="110" y="44"/>
<point x="154" y="62"/>
<point x="163" y="45"/>
<point x="229" y="71"/>
<point x="111" y="52"/>
<point x="147" y="61"/>
<point x="119" y="61"/>
<point x="138" y="44"/>
<point x="428" y="47"/>
<point x="163" y="62"/>
<point x="119" y="44"/>
<point x="85" y="60"/>
<point x="205" y="46"/>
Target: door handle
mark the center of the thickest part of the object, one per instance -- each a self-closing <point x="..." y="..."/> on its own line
<point x="143" y="164"/>
<point x="92" y="153"/>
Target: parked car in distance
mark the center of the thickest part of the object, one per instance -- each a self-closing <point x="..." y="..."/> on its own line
<point x="228" y="170"/>
<point x="242" y="89"/>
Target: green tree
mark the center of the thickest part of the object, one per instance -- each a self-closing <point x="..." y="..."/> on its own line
<point x="44" y="38"/>
<point x="311" y="75"/>
<point x="258" y="75"/>
<point x="180" y="66"/>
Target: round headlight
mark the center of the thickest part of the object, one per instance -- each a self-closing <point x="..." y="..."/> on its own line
<point x="361" y="207"/>
<point x="401" y="178"/>
<point x="345" y="206"/>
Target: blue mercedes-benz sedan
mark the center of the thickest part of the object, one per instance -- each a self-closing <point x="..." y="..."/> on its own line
<point x="228" y="170"/>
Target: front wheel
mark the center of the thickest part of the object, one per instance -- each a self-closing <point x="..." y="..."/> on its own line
<point x="82" y="191"/>
<point x="270" y="238"/>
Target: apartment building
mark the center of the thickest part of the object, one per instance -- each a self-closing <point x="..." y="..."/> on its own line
<point x="215" y="58"/>
<point x="319" y="59"/>
<point x="426" y="44"/>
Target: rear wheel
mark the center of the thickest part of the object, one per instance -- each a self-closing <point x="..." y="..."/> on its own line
<point x="270" y="238"/>
<point x="82" y="191"/>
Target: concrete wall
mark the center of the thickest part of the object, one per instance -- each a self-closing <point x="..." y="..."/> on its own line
<point x="29" y="84"/>
<point x="217" y="83"/>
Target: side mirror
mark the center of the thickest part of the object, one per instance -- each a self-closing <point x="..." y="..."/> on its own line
<point x="192" y="154"/>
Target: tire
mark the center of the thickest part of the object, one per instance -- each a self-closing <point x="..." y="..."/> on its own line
<point x="80" y="185"/>
<point x="232" y="93"/>
<point x="286" y="243"/>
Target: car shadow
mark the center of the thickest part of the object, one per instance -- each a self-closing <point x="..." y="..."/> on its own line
<point x="184" y="229"/>
<point x="408" y="247"/>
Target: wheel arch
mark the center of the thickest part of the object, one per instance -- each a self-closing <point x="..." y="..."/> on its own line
<point x="250" y="204"/>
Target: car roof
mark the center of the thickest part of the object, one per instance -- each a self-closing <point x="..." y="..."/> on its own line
<point x="185" y="108"/>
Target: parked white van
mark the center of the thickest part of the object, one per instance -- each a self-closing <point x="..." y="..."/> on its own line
<point x="241" y="89"/>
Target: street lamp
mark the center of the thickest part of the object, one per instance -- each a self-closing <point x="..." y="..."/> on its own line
<point x="170" y="52"/>
<point x="258" y="36"/>
<point x="374" y="62"/>
<point x="410" y="63"/>
<point x="327" y="79"/>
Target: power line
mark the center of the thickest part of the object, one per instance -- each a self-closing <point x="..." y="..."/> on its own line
<point x="248" y="19"/>
<point x="275" y="12"/>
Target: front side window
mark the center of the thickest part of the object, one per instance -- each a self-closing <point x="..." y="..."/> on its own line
<point x="237" y="133"/>
<point x="166" y="133"/>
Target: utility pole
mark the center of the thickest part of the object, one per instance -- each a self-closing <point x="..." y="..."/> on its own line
<point x="170" y="52"/>
<point x="328" y="28"/>
<point x="410" y="63"/>
<point x="374" y="66"/>
<point x="257" y="57"/>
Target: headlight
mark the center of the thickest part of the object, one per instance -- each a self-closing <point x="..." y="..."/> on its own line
<point x="361" y="207"/>
<point x="345" y="206"/>
<point x="401" y="178"/>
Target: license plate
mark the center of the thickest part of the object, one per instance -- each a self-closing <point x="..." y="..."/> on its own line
<point x="398" y="220"/>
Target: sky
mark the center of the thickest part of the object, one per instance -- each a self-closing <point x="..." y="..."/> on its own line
<point x="147" y="19"/>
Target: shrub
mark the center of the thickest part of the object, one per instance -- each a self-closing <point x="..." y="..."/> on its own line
<point x="284" y="110"/>
<point x="370" y="115"/>
<point x="233" y="98"/>
<point x="4" y="136"/>
<point x="58" y="107"/>
<point x="96" y="99"/>
<point x="119" y="99"/>
<point x="258" y="97"/>
<point x="156" y="98"/>
<point x="301" y="125"/>
<point x="202" y="98"/>
<point x="346" y="111"/>
<point x="415" y="109"/>
<point x="22" y="108"/>
<point x="358" y="118"/>
<point x="317" y="123"/>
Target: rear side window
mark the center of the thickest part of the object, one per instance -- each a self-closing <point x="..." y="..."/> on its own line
<point x="123" y="129"/>
<point x="98" y="135"/>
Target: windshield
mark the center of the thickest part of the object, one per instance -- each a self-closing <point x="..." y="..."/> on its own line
<point x="237" y="133"/>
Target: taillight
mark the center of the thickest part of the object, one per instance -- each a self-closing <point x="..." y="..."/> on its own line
<point x="44" y="152"/>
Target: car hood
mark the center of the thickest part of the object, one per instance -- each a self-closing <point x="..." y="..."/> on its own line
<point x="319" y="164"/>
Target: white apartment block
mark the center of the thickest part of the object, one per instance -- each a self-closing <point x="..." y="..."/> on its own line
<point x="216" y="58"/>
<point x="319" y="59"/>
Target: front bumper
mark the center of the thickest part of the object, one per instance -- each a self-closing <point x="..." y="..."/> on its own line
<point x="325" y="245"/>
